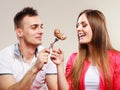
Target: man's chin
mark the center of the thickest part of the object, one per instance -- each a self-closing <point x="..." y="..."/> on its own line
<point x="39" y="43"/>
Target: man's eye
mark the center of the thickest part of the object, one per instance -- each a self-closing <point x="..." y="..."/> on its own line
<point x="41" y="26"/>
<point x="34" y="27"/>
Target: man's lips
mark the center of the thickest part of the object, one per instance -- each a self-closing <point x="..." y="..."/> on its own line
<point x="40" y="38"/>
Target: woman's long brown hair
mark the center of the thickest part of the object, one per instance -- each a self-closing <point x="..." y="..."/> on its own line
<point x="100" y="45"/>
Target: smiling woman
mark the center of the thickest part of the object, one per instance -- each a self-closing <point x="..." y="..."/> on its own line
<point x="92" y="67"/>
<point x="94" y="50"/>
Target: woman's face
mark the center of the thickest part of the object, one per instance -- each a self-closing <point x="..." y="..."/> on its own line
<point x="84" y="30"/>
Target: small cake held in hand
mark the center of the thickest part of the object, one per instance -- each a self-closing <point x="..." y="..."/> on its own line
<point x="59" y="35"/>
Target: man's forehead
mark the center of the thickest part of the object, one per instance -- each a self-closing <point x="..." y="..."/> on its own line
<point x="34" y="20"/>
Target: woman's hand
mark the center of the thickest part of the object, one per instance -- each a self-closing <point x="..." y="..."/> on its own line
<point x="57" y="56"/>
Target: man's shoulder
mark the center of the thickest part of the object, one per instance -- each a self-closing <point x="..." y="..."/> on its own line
<point x="7" y="49"/>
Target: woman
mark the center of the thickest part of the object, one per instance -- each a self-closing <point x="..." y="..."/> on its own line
<point x="96" y="65"/>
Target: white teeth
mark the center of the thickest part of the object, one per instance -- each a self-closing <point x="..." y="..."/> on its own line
<point x="82" y="35"/>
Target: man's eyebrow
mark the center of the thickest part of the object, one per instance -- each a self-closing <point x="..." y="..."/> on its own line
<point x="35" y="25"/>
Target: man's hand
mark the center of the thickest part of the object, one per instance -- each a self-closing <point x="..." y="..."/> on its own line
<point x="41" y="60"/>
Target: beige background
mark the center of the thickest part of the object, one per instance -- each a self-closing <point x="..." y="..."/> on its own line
<point x="60" y="14"/>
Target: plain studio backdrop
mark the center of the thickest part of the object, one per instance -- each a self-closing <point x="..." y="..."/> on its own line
<point x="60" y="14"/>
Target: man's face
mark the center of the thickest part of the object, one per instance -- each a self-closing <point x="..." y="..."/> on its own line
<point x="31" y="30"/>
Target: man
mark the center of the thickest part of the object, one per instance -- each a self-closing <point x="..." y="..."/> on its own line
<point x="25" y="65"/>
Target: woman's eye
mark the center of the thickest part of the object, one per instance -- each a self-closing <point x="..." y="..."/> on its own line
<point x="41" y="26"/>
<point x="84" y="25"/>
<point x="77" y="25"/>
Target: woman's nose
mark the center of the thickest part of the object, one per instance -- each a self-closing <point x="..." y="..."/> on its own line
<point x="79" y="28"/>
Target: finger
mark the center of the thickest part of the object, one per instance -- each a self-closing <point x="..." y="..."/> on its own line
<point x="59" y="51"/>
<point x="52" y="57"/>
<point x="46" y="50"/>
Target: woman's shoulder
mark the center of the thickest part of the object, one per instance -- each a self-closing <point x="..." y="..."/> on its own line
<point x="114" y="53"/>
<point x="114" y="56"/>
<point x="72" y="57"/>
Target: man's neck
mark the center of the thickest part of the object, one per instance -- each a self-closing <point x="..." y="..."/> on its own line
<point x="27" y="51"/>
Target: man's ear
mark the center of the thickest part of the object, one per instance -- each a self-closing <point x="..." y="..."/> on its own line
<point x="18" y="32"/>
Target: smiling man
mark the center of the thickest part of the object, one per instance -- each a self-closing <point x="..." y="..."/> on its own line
<point x="25" y="65"/>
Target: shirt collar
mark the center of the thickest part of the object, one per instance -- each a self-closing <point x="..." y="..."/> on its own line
<point x="18" y="53"/>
